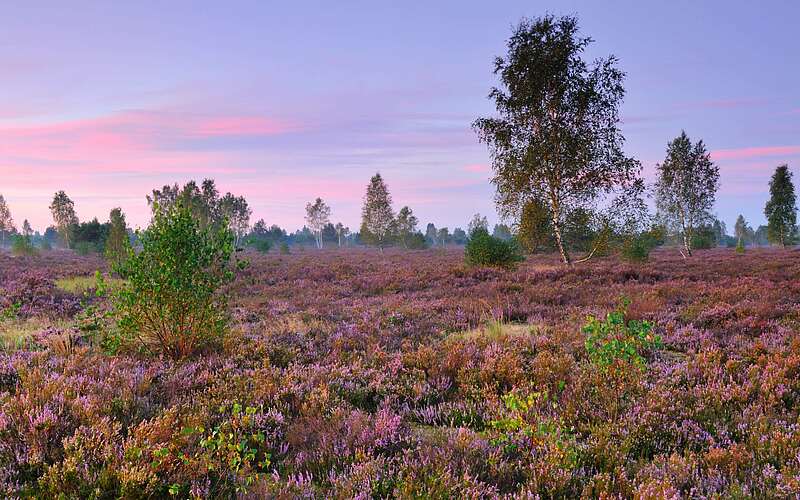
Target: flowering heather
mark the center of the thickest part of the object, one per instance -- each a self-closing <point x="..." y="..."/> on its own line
<point x="355" y="374"/>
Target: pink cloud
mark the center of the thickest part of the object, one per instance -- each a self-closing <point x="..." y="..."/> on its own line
<point x="755" y="152"/>
<point x="477" y="168"/>
<point x="239" y="125"/>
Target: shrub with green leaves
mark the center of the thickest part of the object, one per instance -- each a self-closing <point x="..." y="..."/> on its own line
<point x="483" y="249"/>
<point x="172" y="303"/>
<point x="618" y="339"/>
<point x="21" y="245"/>
<point x="262" y="245"/>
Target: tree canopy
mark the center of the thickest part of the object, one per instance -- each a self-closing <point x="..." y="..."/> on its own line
<point x="556" y="138"/>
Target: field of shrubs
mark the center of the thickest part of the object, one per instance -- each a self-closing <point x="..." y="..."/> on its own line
<point x="407" y="374"/>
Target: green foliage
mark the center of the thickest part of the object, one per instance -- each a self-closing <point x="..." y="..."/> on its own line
<point x="416" y="241"/>
<point x="703" y="238"/>
<point x="118" y="244"/>
<point x="85" y="248"/>
<point x="740" y="247"/>
<point x="616" y="339"/>
<point x="636" y="249"/>
<point x="263" y="246"/>
<point x="21" y="245"/>
<point x="172" y="303"/>
<point x="483" y="249"/>
<point x="781" y="209"/>
<point x="284" y="248"/>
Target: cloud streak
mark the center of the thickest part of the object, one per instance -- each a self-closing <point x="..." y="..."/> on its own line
<point x="755" y="152"/>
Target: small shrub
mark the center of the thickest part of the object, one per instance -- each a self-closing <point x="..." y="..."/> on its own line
<point x="417" y="242"/>
<point x="636" y="249"/>
<point x="739" y="247"/>
<point x="285" y="249"/>
<point x="616" y="339"/>
<point x="21" y="245"/>
<point x="263" y="246"/>
<point x="172" y="302"/>
<point x="484" y="249"/>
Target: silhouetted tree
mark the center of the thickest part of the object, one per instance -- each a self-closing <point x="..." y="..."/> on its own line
<point x="781" y="209"/>
<point x="686" y="188"/>
<point x="557" y="137"/>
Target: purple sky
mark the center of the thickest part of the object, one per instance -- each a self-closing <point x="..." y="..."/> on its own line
<point x="286" y="101"/>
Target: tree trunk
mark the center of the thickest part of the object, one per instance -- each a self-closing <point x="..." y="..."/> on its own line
<point x="563" y="251"/>
<point x="687" y="244"/>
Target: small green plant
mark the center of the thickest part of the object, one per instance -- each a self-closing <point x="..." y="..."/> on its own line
<point x="617" y="339"/>
<point x="285" y="249"/>
<point x="522" y="418"/>
<point x="740" y="247"/>
<point x="234" y="449"/>
<point x="172" y="303"/>
<point x="263" y="246"/>
<point x="636" y="249"/>
<point x="483" y="249"/>
<point x="21" y="245"/>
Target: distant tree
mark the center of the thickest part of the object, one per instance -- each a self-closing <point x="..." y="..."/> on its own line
<point x="431" y="234"/>
<point x="90" y="236"/>
<point x="63" y="210"/>
<point x="720" y="230"/>
<point x="760" y="237"/>
<point x="443" y="236"/>
<point x="781" y="209"/>
<point x="557" y="137"/>
<point x="341" y="232"/>
<point x="234" y="210"/>
<point x="741" y="231"/>
<point x="118" y="243"/>
<point x="317" y="216"/>
<point x="459" y="236"/>
<point x="6" y="221"/>
<point x="377" y="218"/>
<point x="686" y="188"/>
<point x="406" y="225"/>
<point x="27" y="230"/>
<point x="501" y="231"/>
<point x="477" y="222"/>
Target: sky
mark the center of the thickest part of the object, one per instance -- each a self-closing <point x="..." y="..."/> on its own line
<point x="283" y="102"/>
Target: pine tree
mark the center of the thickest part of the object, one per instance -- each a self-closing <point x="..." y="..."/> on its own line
<point x="377" y="218"/>
<point x="781" y="209"/>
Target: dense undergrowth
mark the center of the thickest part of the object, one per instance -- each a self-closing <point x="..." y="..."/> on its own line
<point x="408" y="374"/>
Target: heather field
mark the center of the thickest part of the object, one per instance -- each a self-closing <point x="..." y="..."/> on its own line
<point x="356" y="374"/>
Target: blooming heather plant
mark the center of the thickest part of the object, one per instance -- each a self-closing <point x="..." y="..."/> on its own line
<point x="361" y="375"/>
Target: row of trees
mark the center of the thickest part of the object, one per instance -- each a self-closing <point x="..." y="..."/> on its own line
<point x="560" y="171"/>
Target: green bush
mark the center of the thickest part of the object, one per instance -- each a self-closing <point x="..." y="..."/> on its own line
<point x="484" y="249"/>
<point x="172" y="302"/>
<point x="636" y="249"/>
<point x="85" y="248"/>
<point x="617" y="339"/>
<point x="263" y="246"/>
<point x="740" y="247"/>
<point x="417" y="242"/>
<point x="21" y="245"/>
<point x="285" y="249"/>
